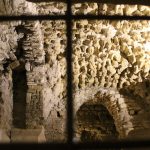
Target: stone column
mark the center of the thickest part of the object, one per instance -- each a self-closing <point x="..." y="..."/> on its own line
<point x="35" y="58"/>
<point x="34" y="108"/>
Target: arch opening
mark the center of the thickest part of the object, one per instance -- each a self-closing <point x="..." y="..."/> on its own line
<point x="94" y="123"/>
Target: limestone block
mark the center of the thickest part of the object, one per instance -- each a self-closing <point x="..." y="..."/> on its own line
<point x="136" y="69"/>
<point x="120" y="101"/>
<point x="28" y="135"/>
<point x="130" y="9"/>
<point x="85" y="8"/>
<point x="132" y="59"/>
<point x="111" y="69"/>
<point x="146" y="67"/>
<point x="132" y="112"/>
<point x="12" y="56"/>
<point x="124" y="64"/>
<point x="28" y="66"/>
<point x="14" y="64"/>
<point x="115" y="63"/>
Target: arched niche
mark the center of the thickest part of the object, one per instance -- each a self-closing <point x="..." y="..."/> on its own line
<point x="93" y="122"/>
<point x="118" y="107"/>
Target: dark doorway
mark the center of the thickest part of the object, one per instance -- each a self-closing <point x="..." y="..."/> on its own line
<point x="19" y="98"/>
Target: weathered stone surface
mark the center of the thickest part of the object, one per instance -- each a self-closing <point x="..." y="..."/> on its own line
<point x="14" y="64"/>
<point x="119" y="58"/>
<point x="4" y="137"/>
<point x="106" y="55"/>
<point x="28" y="136"/>
<point x="6" y="104"/>
<point x="126" y="112"/>
<point x="51" y="8"/>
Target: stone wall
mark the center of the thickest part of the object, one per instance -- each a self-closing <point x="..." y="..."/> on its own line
<point x="106" y="54"/>
<point x="110" y="9"/>
<point x="6" y="97"/>
<point x="110" y="53"/>
<point x="34" y="58"/>
<point x="128" y="114"/>
<point x="8" y="45"/>
<point x="54" y="92"/>
<point x="45" y="103"/>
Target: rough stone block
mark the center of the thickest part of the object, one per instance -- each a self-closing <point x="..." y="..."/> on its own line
<point x="28" y="135"/>
<point x="14" y="64"/>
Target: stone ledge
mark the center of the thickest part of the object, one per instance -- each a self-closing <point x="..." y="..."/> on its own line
<point x="28" y="136"/>
<point x="139" y="134"/>
<point x="4" y="138"/>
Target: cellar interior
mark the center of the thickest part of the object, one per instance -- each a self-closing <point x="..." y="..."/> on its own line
<point x="111" y="73"/>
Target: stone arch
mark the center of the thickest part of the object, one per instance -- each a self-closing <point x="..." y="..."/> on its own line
<point x="94" y="123"/>
<point x="124" y="110"/>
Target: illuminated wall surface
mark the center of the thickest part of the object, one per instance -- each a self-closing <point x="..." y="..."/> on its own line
<point x="111" y="73"/>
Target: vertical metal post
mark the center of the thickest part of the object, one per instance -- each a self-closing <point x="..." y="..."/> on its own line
<point x="69" y="74"/>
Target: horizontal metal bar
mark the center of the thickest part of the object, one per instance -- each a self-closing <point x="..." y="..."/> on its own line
<point x="108" y="17"/>
<point x="114" y="144"/>
<point x="73" y="17"/>
<point x="94" y="145"/>
<point x="39" y="1"/>
<point x="139" y="2"/>
<point x="32" y="17"/>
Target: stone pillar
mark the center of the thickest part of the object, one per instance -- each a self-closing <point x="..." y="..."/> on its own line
<point x="34" y="100"/>
<point x="35" y="58"/>
<point x="34" y="108"/>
